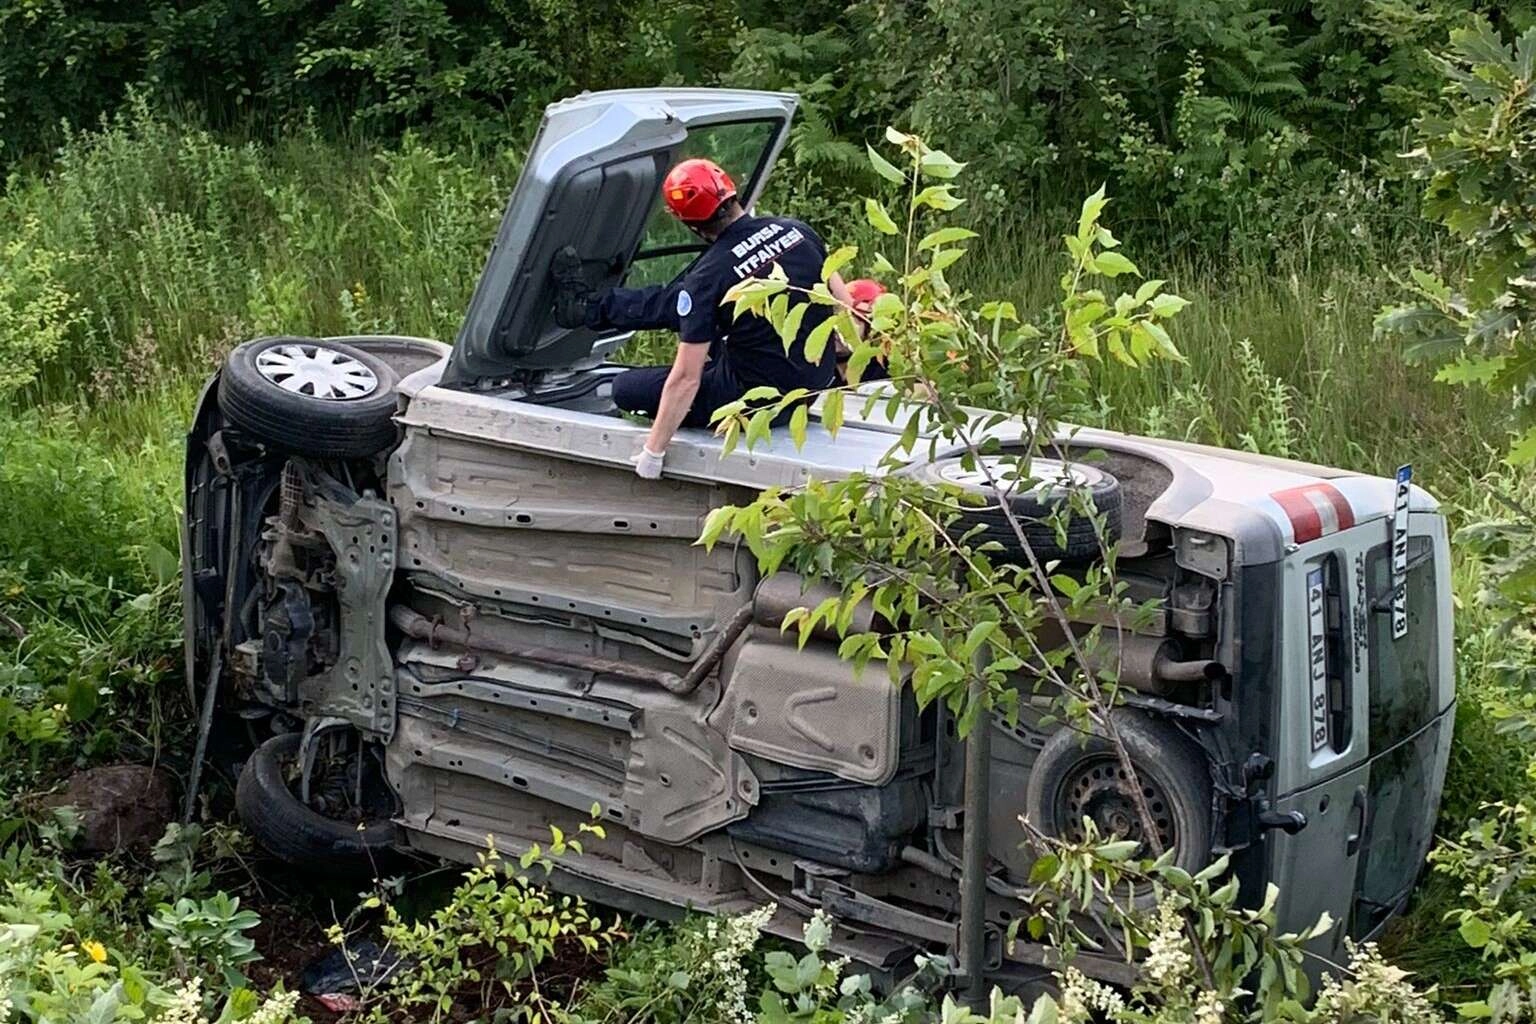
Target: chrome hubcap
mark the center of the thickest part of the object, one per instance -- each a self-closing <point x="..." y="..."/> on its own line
<point x="316" y="372"/>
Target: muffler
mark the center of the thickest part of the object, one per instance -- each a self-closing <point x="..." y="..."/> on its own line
<point x="781" y="593"/>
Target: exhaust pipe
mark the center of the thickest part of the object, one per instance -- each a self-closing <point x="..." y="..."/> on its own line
<point x="781" y="593"/>
<point x="414" y="624"/>
<point x="1152" y="664"/>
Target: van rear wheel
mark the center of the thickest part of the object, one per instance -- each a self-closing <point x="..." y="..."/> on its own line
<point x="1078" y="776"/>
<point x="1033" y="508"/>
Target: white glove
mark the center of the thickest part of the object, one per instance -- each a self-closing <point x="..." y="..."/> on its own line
<point x="648" y="463"/>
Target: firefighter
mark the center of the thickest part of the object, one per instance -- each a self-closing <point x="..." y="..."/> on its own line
<point x="720" y="357"/>
<point x="862" y="295"/>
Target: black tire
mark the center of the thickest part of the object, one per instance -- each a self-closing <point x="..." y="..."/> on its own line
<point x="1078" y="775"/>
<point x="301" y="423"/>
<point x="1033" y="508"/>
<point x="296" y="834"/>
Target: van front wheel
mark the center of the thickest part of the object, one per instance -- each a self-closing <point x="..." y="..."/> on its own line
<point x="295" y="832"/>
<point x="306" y="396"/>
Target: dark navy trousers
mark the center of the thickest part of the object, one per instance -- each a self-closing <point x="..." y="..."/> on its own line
<point x="639" y="390"/>
<point x="637" y="309"/>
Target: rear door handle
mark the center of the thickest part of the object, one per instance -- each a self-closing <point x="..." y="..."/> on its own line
<point x="1357" y="808"/>
<point x="1289" y="822"/>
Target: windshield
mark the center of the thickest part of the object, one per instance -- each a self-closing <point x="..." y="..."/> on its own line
<point x="1403" y="672"/>
<point x="742" y="149"/>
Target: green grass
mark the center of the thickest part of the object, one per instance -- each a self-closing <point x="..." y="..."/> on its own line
<point x="89" y="492"/>
<point x="1280" y="359"/>
<point x="171" y="245"/>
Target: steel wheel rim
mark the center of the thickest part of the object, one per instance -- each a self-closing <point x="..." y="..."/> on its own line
<point x="1098" y="790"/>
<point x="1047" y="474"/>
<point x="316" y="371"/>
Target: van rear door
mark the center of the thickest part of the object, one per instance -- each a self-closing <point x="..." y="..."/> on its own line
<point x="1321" y="743"/>
<point x="1364" y="725"/>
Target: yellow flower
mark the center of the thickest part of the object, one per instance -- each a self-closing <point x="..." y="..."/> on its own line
<point x="95" y="950"/>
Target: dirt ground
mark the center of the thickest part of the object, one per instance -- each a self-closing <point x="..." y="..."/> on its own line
<point x="296" y="913"/>
<point x="290" y="937"/>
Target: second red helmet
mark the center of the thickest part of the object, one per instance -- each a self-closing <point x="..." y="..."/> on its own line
<point x="694" y="189"/>
<point x="865" y="291"/>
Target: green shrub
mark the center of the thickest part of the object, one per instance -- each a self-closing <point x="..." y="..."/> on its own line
<point x="472" y="69"/>
<point x="1219" y="119"/>
<point x="74" y="508"/>
<point x="498" y="944"/>
<point x="36" y="310"/>
<point x="208" y="935"/>
<point x="89" y="590"/>
<point x="700" y="970"/>
<point x="83" y="943"/>
<point x="1494" y="860"/>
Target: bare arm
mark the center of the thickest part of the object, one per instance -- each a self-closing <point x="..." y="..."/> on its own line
<point x="677" y="393"/>
<point x="839" y="290"/>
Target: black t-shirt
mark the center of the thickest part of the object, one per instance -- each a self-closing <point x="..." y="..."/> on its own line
<point x="751" y="347"/>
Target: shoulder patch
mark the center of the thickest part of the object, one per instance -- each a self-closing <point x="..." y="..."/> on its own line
<point x="684" y="302"/>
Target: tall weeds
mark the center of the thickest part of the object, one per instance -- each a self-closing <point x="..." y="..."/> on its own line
<point x="150" y="249"/>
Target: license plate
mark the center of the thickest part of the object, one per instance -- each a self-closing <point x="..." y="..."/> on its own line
<point x="1400" y="553"/>
<point x="1317" y="654"/>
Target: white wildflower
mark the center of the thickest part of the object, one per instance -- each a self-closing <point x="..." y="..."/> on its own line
<point x="1209" y="1008"/>
<point x="1081" y="997"/>
<point x="730" y="940"/>
<point x="1375" y="989"/>
<point x="1169" y="961"/>
<point x="277" y="1009"/>
<point x="186" y="1006"/>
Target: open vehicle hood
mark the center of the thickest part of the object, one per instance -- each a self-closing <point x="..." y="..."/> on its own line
<point x="593" y="181"/>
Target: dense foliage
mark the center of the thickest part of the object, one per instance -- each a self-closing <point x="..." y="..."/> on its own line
<point x="968" y="615"/>
<point x="1474" y="154"/>
<point x="1210" y="114"/>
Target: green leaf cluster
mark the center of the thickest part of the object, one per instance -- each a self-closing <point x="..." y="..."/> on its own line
<point x="961" y="616"/>
<point x="1473" y="154"/>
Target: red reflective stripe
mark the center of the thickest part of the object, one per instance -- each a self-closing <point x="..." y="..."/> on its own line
<point x="1300" y="508"/>
<point x="1306" y="524"/>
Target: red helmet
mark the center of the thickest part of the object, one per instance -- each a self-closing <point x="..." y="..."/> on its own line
<point x="694" y="189"/>
<point x="865" y="291"/>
